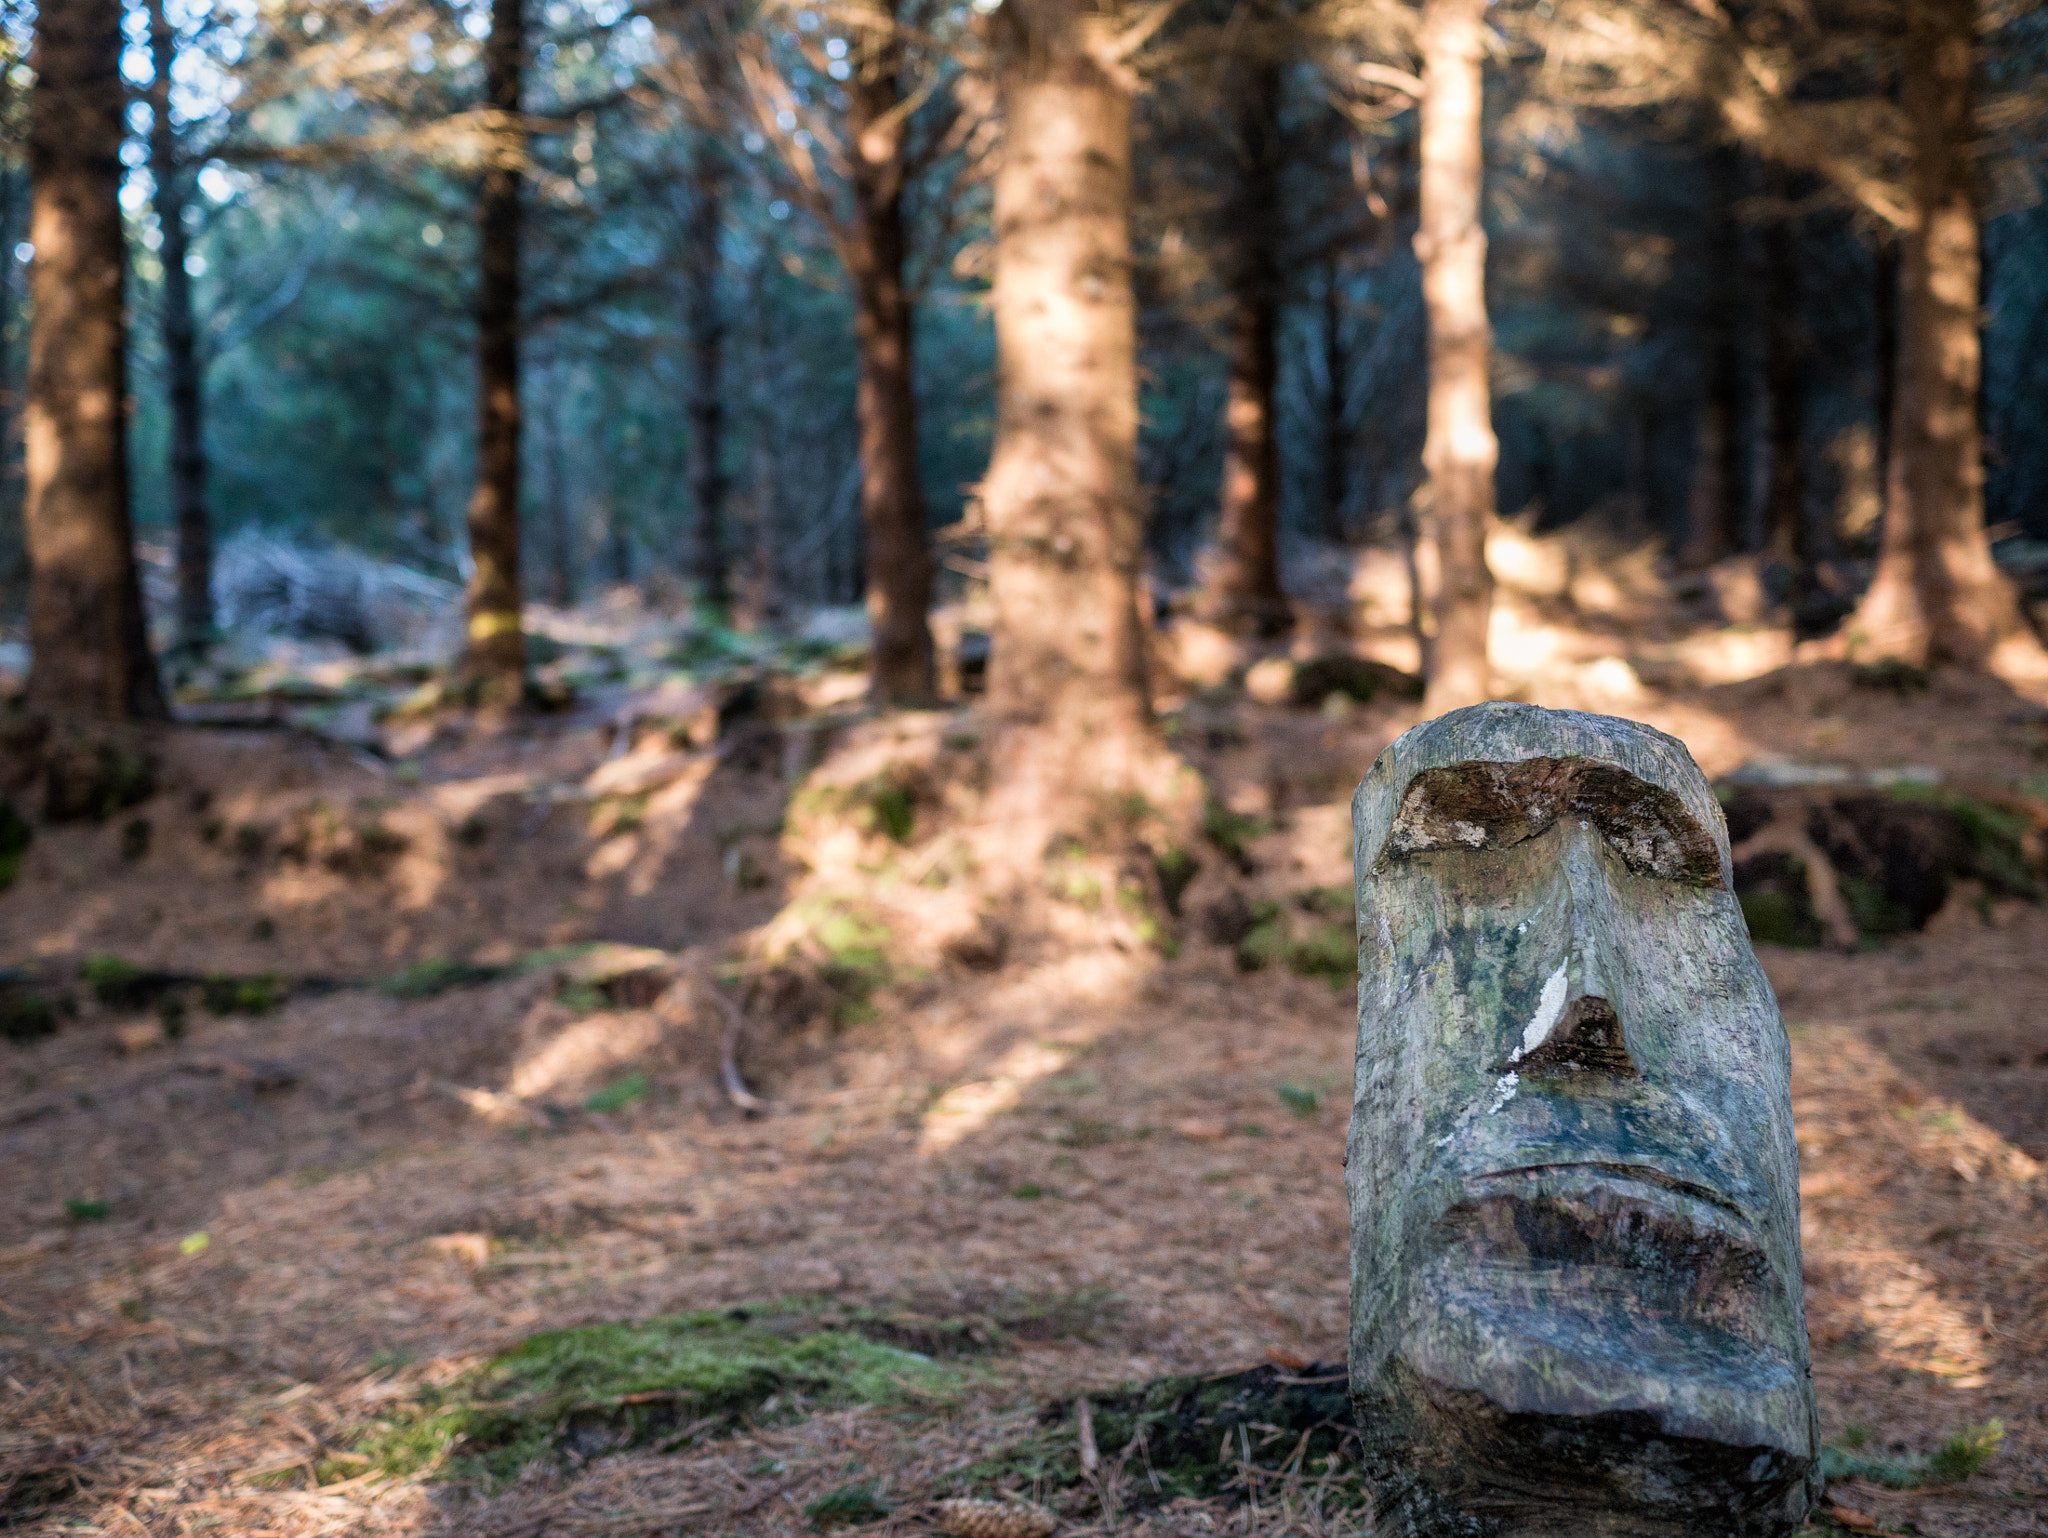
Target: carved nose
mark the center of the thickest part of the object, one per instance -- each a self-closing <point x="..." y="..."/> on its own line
<point x="1577" y="1028"/>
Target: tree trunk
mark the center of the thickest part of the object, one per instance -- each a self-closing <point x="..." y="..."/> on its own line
<point x="1885" y="304"/>
<point x="1336" y="431"/>
<point x="1789" y="535"/>
<point x="899" y="562"/>
<point x="14" y="191"/>
<point x="89" y="641"/>
<point x="182" y="375"/>
<point x="1460" y="450"/>
<point x="702" y="264"/>
<point x="561" y="522"/>
<point x="1712" y="532"/>
<point x="1246" y="592"/>
<point x="494" y="660"/>
<point x="1937" y="596"/>
<point x="1067" y="678"/>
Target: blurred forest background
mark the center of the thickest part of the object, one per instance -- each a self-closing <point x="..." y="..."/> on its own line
<point x="1696" y="217"/>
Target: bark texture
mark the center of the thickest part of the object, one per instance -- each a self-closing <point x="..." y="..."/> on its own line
<point x="1576" y="1291"/>
<point x="899" y="563"/>
<point x="1246" y="592"/>
<point x="183" y="380"/>
<point x="703" y="263"/>
<point x="90" y="647"/>
<point x="494" y="657"/>
<point x="1460" y="450"/>
<point x="1067" y="676"/>
<point x="1937" y="596"/>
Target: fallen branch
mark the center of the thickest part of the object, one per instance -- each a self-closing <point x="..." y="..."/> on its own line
<point x="1823" y="889"/>
<point x="728" y="1066"/>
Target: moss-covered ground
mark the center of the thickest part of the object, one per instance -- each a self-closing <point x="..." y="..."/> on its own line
<point x="567" y="1395"/>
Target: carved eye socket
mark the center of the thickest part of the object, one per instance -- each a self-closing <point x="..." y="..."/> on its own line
<point x="1647" y="825"/>
<point x="1487" y="805"/>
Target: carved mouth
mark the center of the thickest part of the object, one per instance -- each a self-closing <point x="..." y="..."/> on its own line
<point x="1586" y="1287"/>
<point x="1578" y="1234"/>
<point x="1619" y="1175"/>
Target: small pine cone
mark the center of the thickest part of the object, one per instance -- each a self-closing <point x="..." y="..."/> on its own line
<point x="995" y="1519"/>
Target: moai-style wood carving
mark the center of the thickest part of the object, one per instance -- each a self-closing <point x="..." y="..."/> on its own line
<point x="1575" y="1287"/>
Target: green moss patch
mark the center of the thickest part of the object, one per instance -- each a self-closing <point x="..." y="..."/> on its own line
<point x="1232" y="833"/>
<point x="122" y="985"/>
<point x="224" y="995"/>
<point x="1998" y="840"/>
<point x="1954" y="1461"/>
<point x="848" y="948"/>
<point x="27" y="1016"/>
<point x="884" y="805"/>
<point x="573" y="1394"/>
<point x="1305" y="935"/>
<point x="438" y="975"/>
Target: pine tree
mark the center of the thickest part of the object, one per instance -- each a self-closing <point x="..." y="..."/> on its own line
<point x="493" y="664"/>
<point x="1068" y="693"/>
<point x="90" y="648"/>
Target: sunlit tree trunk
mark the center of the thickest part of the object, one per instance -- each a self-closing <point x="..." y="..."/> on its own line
<point x="1460" y="450"/>
<point x="899" y="563"/>
<point x="182" y="377"/>
<point x="90" y="646"/>
<point x="13" y="204"/>
<point x="494" y="659"/>
<point x="1067" y="687"/>
<point x="1937" y="596"/>
<point x="703" y="262"/>
<point x="1246" y="592"/>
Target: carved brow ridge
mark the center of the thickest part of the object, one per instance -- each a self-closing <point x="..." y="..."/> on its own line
<point x="1496" y="805"/>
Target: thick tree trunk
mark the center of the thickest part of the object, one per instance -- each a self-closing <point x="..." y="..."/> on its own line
<point x="899" y="562"/>
<point x="702" y="264"/>
<point x="1246" y="592"/>
<point x="494" y="660"/>
<point x="90" y="646"/>
<point x="1712" y="517"/>
<point x="1460" y="450"/>
<point x="1067" y="679"/>
<point x="14" y="192"/>
<point x="1937" y="596"/>
<point x="182" y="377"/>
<point x="1336" y="489"/>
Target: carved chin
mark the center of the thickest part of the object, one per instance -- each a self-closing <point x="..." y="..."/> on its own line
<point x="1569" y="1294"/>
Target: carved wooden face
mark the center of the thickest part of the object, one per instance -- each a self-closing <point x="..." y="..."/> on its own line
<point x="1574" y="1185"/>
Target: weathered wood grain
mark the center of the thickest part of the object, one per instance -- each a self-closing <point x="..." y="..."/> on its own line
<point x="1576" y="1302"/>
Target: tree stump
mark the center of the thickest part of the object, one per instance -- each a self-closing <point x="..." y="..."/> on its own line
<point x="1576" y="1298"/>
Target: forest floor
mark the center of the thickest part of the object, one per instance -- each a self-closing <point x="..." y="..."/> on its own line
<point x="233" y="1250"/>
